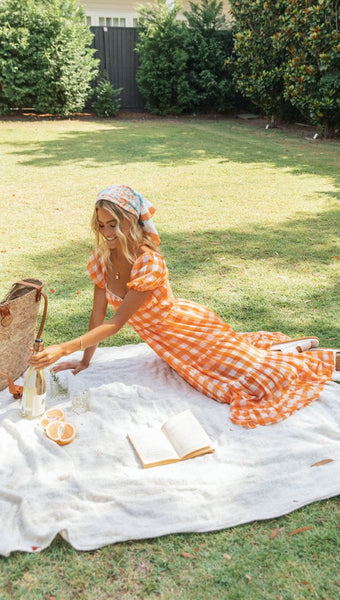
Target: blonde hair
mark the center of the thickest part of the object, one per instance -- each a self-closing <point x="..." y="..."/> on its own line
<point x="130" y="242"/>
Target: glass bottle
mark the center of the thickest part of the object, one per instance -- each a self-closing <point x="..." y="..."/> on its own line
<point x="34" y="392"/>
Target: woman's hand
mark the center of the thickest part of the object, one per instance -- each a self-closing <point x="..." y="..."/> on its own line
<point x="47" y="357"/>
<point x="75" y="365"/>
<point x="51" y="354"/>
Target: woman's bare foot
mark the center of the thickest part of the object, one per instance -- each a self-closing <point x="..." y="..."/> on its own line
<point x="296" y="345"/>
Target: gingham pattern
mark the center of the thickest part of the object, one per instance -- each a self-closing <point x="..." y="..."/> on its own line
<point x="262" y="386"/>
<point x="134" y="203"/>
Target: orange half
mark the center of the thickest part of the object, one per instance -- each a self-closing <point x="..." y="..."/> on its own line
<point x="61" y="432"/>
<point x="53" y="414"/>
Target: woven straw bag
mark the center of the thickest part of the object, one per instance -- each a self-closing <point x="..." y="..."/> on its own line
<point x="18" y="320"/>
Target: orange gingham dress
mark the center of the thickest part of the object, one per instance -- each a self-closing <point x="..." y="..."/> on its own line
<point x="261" y="386"/>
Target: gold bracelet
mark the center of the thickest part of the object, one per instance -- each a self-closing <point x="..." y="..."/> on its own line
<point x="81" y="343"/>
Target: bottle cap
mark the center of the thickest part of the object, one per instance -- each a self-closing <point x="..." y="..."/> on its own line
<point x="38" y="345"/>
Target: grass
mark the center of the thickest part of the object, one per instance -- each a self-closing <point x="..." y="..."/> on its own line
<point x="249" y="221"/>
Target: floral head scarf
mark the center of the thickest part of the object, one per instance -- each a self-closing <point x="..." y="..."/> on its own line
<point x="128" y="199"/>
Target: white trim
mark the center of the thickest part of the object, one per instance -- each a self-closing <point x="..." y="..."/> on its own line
<point x="103" y="10"/>
<point x="112" y="18"/>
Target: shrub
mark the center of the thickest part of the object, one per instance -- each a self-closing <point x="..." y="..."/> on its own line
<point x="210" y="42"/>
<point x="107" y="99"/>
<point x="46" y="62"/>
<point x="162" y="49"/>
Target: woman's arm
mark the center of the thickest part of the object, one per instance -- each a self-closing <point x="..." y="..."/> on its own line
<point x="97" y="317"/>
<point x="132" y="301"/>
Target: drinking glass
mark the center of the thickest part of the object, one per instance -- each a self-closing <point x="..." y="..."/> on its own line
<point x="80" y="401"/>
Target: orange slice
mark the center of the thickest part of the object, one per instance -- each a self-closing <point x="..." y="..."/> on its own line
<point x="53" y="414"/>
<point x="60" y="432"/>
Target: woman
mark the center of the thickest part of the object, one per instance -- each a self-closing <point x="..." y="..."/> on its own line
<point x="263" y="376"/>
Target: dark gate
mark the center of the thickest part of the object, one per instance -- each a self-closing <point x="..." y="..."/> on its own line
<point x="116" y="50"/>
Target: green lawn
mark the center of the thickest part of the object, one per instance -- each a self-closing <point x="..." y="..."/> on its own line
<point x="249" y="221"/>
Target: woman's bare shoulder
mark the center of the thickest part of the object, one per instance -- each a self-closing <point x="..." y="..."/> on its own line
<point x="147" y="250"/>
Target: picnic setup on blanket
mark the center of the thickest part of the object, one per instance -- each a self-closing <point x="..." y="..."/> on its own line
<point x="95" y="491"/>
<point x="133" y="446"/>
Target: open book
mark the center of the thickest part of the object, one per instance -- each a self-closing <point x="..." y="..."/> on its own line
<point x="180" y="438"/>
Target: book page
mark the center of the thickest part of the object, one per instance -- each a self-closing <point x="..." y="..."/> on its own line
<point x="185" y="433"/>
<point x="152" y="446"/>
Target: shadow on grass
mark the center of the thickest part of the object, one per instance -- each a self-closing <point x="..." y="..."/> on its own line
<point x="179" y="143"/>
<point x="302" y="244"/>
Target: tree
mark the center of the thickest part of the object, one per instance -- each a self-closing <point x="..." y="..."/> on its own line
<point x="206" y="16"/>
<point x="46" y="62"/>
<point x="209" y="43"/>
<point x="162" y="49"/>
<point x="259" y="60"/>
<point x="312" y="75"/>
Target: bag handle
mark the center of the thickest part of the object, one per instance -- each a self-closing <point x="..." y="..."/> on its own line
<point x="14" y="389"/>
<point x="38" y="297"/>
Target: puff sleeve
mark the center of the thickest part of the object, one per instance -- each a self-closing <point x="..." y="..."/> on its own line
<point x="96" y="269"/>
<point x="148" y="273"/>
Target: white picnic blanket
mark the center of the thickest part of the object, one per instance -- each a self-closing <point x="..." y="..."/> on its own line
<point x="94" y="491"/>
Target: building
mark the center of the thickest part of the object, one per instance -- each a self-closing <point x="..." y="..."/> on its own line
<point x="122" y="13"/>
